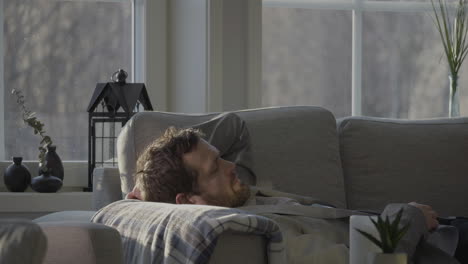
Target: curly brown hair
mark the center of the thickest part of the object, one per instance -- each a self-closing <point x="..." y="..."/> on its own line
<point x="161" y="173"/>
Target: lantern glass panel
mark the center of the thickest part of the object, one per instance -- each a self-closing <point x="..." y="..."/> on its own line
<point x="106" y="143"/>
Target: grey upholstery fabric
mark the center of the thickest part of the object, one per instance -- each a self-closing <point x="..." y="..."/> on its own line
<point x="83" y="216"/>
<point x="106" y="187"/>
<point x="21" y="241"/>
<point x="391" y="161"/>
<point x="73" y="242"/>
<point x="295" y="149"/>
<point x="74" y="239"/>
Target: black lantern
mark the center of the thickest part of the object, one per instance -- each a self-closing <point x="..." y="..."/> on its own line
<point x="111" y="106"/>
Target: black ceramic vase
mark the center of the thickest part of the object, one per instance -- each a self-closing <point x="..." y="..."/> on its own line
<point x="17" y="177"/>
<point x="46" y="183"/>
<point x="53" y="163"/>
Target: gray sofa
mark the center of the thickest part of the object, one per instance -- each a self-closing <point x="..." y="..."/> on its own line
<point x="355" y="162"/>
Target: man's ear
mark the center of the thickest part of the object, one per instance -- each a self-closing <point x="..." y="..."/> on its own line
<point x="134" y="194"/>
<point x="183" y="198"/>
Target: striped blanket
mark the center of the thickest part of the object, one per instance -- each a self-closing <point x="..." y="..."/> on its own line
<point x="167" y="233"/>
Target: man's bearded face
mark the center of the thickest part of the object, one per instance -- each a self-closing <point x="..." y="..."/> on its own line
<point x="217" y="180"/>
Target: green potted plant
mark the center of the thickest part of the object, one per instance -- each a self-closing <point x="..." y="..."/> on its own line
<point x="453" y="30"/>
<point x="389" y="234"/>
<point x="50" y="166"/>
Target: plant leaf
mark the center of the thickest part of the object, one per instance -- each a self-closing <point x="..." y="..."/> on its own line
<point x="370" y="237"/>
<point x="453" y="37"/>
<point x="396" y="222"/>
<point x="401" y="233"/>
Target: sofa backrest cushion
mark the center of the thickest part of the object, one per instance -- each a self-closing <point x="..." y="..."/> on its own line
<point x="295" y="149"/>
<point x="387" y="160"/>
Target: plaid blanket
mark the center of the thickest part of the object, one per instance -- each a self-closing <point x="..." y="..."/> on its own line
<point x="167" y="233"/>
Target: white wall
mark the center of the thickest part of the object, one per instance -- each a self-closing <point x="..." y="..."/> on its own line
<point x="156" y="27"/>
<point x="234" y="54"/>
<point x="188" y="53"/>
<point x="212" y="54"/>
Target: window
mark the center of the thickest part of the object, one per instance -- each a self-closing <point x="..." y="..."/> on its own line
<point x="399" y="69"/>
<point x="404" y="67"/>
<point x="307" y="58"/>
<point x="56" y="52"/>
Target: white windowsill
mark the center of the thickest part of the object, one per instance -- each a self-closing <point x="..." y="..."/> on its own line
<point x="75" y="174"/>
<point x="31" y="204"/>
<point x="28" y="202"/>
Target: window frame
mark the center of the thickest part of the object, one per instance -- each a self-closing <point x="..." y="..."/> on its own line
<point x="357" y="7"/>
<point x="75" y="177"/>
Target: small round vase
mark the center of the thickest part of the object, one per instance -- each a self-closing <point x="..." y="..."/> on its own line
<point x="46" y="183"/>
<point x="53" y="163"/>
<point x="17" y="177"/>
<point x="387" y="258"/>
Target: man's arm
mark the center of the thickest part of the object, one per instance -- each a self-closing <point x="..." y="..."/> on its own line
<point x="417" y="230"/>
<point x="229" y="134"/>
<point x="429" y="214"/>
<point x="422" y="218"/>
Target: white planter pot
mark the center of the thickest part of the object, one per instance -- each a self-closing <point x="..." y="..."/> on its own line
<point x="385" y="258"/>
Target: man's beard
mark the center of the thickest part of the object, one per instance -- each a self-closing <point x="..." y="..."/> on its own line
<point x="238" y="199"/>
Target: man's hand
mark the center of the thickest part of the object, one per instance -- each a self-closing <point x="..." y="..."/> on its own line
<point x="429" y="214"/>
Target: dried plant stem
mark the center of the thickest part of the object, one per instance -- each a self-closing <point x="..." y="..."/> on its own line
<point x="453" y="34"/>
<point x="31" y="120"/>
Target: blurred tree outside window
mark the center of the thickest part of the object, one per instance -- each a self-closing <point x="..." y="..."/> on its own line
<point x="405" y="74"/>
<point x="56" y="52"/>
<point x="306" y="58"/>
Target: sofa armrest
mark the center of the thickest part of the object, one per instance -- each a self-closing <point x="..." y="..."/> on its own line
<point x="81" y="243"/>
<point x="106" y="187"/>
<point x="21" y="241"/>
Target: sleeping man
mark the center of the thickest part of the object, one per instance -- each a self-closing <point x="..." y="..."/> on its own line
<point x="181" y="167"/>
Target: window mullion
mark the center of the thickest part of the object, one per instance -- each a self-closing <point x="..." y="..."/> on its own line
<point x="364" y="5"/>
<point x="138" y="40"/>
<point x="114" y="1"/>
<point x="2" y="88"/>
<point x="356" y="87"/>
<point x="311" y="4"/>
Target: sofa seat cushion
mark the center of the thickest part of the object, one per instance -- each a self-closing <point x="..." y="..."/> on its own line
<point x="391" y="161"/>
<point x="78" y="242"/>
<point x="83" y="216"/>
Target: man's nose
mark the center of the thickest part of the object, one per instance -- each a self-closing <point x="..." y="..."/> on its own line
<point x="230" y="165"/>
